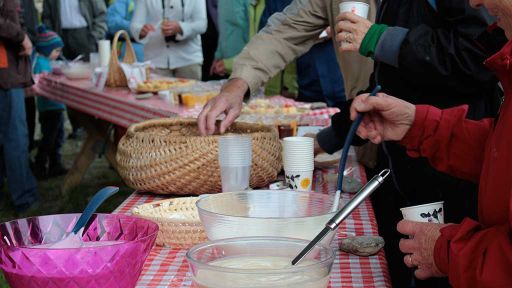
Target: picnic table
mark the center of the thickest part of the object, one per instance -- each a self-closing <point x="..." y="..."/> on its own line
<point x="165" y="266"/>
<point x="102" y="111"/>
<point x="168" y="267"/>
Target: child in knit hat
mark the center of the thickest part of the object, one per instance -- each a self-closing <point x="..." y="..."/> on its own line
<point x="51" y="114"/>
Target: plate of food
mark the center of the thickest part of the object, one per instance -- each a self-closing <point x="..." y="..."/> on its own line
<point x="154" y="86"/>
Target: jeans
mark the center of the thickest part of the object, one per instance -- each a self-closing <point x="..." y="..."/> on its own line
<point x="15" y="157"/>
<point x="52" y="127"/>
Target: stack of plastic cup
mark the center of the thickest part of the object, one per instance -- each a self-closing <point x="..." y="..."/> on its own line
<point x="298" y="158"/>
<point x="235" y="159"/>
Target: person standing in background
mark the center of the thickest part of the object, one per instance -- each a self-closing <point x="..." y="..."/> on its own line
<point x="170" y="31"/>
<point x="318" y="74"/>
<point x="210" y="39"/>
<point x="119" y="17"/>
<point x="48" y="162"/>
<point x="239" y="21"/>
<point x="80" y="23"/>
<point x="29" y="21"/>
<point x="15" y="75"/>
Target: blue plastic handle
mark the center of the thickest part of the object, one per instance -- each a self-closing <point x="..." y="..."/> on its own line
<point x="348" y="141"/>
<point x="95" y="202"/>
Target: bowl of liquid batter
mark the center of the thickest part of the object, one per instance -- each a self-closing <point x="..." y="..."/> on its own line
<point x="257" y="262"/>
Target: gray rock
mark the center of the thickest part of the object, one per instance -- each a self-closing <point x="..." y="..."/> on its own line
<point x="362" y="245"/>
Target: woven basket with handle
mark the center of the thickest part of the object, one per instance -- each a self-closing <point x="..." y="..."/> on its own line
<point x="178" y="219"/>
<point x="116" y="77"/>
<point x="168" y="156"/>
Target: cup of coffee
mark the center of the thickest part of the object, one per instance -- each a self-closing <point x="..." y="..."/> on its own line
<point x="171" y="38"/>
<point x="429" y="213"/>
<point x="359" y="8"/>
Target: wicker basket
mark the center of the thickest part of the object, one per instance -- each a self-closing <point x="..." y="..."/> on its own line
<point x="180" y="226"/>
<point x="168" y="156"/>
<point x="116" y="77"/>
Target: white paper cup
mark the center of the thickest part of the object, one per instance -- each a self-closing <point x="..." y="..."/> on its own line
<point x="430" y="213"/>
<point x="359" y="8"/>
<point x="299" y="180"/>
<point x="235" y="179"/>
<point x="298" y="153"/>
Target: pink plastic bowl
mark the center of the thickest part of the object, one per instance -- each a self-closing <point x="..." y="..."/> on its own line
<point x="115" y="265"/>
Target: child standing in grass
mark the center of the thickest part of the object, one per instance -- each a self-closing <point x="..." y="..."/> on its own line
<point x="51" y="114"/>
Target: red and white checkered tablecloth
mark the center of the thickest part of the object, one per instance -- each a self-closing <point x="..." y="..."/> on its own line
<point x="119" y="106"/>
<point x="114" y="105"/>
<point x="167" y="267"/>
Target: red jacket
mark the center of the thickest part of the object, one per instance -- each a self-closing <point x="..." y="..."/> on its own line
<point x="473" y="254"/>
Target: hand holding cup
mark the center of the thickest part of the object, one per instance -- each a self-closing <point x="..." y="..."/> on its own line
<point x="146" y="30"/>
<point x="351" y="30"/>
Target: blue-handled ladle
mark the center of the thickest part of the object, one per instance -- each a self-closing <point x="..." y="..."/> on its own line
<point x="74" y="238"/>
<point x="335" y="221"/>
<point x="348" y="141"/>
<point x="93" y="205"/>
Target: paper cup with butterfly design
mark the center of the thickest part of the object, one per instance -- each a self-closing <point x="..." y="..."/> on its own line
<point x="299" y="180"/>
<point x="430" y="213"/>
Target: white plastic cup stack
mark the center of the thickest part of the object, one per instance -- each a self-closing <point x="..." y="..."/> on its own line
<point x="430" y="213"/>
<point x="298" y="159"/>
<point x="235" y="160"/>
<point x="104" y="52"/>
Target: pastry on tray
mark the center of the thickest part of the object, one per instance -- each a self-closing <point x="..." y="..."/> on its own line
<point x="162" y="84"/>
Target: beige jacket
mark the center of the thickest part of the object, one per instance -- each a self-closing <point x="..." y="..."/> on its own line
<point x="290" y="34"/>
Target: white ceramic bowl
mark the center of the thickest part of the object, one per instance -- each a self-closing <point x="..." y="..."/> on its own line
<point x="77" y="71"/>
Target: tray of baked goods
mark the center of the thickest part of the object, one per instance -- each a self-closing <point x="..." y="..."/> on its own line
<point x="157" y="85"/>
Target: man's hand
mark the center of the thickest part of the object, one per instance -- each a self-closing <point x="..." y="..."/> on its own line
<point x="218" y="68"/>
<point x="26" y="47"/>
<point x="387" y="118"/>
<point x="146" y="29"/>
<point x="351" y="30"/>
<point x="171" y="28"/>
<point x="419" y="247"/>
<point x="229" y="101"/>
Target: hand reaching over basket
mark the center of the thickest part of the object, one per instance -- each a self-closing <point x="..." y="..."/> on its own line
<point x="228" y="102"/>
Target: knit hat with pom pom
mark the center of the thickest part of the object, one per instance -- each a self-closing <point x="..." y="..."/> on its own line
<point x="47" y="41"/>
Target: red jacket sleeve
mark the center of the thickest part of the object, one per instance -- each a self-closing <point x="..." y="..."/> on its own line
<point x="451" y="143"/>
<point x="473" y="256"/>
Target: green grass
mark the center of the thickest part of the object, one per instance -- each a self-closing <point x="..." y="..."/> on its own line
<point x="53" y="202"/>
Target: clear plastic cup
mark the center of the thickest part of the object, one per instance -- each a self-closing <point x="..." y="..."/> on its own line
<point x="235" y="178"/>
<point x="235" y="150"/>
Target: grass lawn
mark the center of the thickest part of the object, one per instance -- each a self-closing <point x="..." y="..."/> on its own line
<point x="53" y="202"/>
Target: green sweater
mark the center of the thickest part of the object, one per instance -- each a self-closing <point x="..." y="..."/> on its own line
<point x="238" y="23"/>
